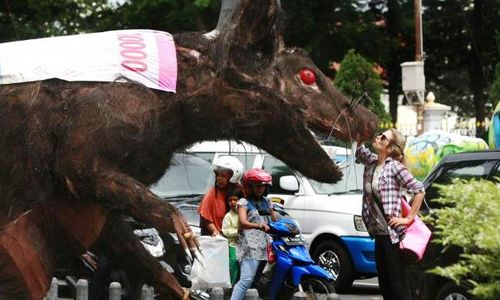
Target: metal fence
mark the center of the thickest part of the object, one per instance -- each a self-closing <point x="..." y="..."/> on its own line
<point x="465" y="128"/>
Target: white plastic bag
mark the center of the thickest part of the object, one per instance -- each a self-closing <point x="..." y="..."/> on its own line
<point x="213" y="268"/>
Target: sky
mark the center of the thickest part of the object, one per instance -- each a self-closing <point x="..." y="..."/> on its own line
<point x="118" y="2"/>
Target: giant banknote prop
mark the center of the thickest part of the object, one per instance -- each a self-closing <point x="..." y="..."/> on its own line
<point x="78" y="156"/>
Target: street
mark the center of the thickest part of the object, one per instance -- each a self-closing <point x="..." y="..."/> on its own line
<point x="364" y="289"/>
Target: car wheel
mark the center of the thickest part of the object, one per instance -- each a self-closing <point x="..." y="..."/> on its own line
<point x="331" y="256"/>
<point x="451" y="291"/>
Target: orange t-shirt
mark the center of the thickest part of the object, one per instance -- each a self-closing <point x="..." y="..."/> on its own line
<point x="213" y="207"/>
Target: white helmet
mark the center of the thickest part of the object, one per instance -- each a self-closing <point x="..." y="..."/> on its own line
<point x="226" y="162"/>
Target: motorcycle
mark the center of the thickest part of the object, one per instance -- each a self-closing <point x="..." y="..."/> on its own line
<point x="291" y="268"/>
<point x="166" y="249"/>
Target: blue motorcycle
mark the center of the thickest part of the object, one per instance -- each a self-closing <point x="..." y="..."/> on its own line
<point x="293" y="269"/>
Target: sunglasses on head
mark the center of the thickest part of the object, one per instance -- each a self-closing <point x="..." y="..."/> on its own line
<point x="383" y="137"/>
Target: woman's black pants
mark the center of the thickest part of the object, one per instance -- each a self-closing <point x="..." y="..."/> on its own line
<point x="391" y="268"/>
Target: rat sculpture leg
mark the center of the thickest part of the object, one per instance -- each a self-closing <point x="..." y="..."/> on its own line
<point x="123" y="247"/>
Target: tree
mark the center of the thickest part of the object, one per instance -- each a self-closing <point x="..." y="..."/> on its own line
<point x="469" y="220"/>
<point x="381" y="30"/>
<point x="395" y="43"/>
<point x="356" y="78"/>
<point x="495" y="87"/>
<point x="337" y="26"/>
<point x="34" y="19"/>
<point x="167" y="15"/>
<point x="461" y="52"/>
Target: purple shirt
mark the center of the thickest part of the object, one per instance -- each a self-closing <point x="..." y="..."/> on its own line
<point x="394" y="179"/>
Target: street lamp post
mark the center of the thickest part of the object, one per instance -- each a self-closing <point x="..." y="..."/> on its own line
<point x="419" y="48"/>
<point x="413" y="72"/>
<point x="419" y="45"/>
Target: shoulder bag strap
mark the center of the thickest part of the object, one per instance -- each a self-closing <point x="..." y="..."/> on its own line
<point x="379" y="209"/>
<point x="378" y="203"/>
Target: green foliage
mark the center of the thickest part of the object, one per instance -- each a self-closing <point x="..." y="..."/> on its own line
<point x="470" y="219"/>
<point x="202" y="3"/>
<point x="21" y="20"/>
<point x="337" y="26"/>
<point x="380" y="30"/>
<point x="461" y="53"/>
<point x="356" y="77"/>
<point x="168" y="15"/>
<point x="40" y="18"/>
<point x="495" y="87"/>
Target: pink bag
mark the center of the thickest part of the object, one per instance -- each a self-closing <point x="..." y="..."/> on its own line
<point x="417" y="235"/>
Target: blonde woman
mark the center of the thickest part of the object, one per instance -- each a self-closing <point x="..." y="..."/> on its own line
<point x="384" y="180"/>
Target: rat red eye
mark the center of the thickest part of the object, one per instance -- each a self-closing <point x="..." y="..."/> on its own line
<point x="307" y="76"/>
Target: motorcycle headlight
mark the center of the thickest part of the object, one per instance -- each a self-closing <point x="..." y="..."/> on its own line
<point x="282" y="248"/>
<point x="359" y="224"/>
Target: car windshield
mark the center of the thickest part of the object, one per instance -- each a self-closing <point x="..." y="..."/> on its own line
<point x="188" y="175"/>
<point x="352" y="181"/>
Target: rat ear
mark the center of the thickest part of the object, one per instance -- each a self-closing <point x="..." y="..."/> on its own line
<point x="252" y="36"/>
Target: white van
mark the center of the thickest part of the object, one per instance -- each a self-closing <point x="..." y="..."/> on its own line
<point x="329" y="214"/>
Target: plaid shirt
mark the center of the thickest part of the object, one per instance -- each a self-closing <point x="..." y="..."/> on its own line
<point x="394" y="179"/>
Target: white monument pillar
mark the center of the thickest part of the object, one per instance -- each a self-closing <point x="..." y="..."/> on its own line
<point x="434" y="113"/>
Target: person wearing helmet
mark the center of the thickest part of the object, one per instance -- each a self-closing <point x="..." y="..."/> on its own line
<point x="254" y="212"/>
<point x="213" y="207"/>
